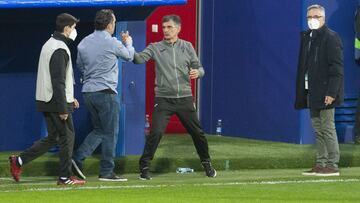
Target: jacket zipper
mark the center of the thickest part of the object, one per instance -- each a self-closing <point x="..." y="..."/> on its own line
<point x="316" y="53"/>
<point x="176" y="74"/>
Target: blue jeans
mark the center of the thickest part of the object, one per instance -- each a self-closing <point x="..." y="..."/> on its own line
<point x="104" y="110"/>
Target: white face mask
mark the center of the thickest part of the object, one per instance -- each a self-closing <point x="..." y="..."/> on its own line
<point x="73" y="34"/>
<point x="314" y="24"/>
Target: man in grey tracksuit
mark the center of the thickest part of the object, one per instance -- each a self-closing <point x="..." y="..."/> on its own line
<point x="176" y="64"/>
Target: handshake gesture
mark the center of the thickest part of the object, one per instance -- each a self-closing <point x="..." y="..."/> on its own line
<point x="126" y="38"/>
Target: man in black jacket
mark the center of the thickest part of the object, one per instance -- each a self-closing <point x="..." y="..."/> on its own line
<point x="357" y="60"/>
<point x="319" y="87"/>
<point x="55" y="98"/>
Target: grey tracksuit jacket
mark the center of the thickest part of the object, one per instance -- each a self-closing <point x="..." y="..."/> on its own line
<point x="173" y="63"/>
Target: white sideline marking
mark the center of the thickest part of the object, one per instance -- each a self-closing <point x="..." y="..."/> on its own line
<point x="6" y="179"/>
<point x="204" y="184"/>
<point x="281" y="182"/>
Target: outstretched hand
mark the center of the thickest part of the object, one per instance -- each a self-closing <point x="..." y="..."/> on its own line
<point x="126" y="38"/>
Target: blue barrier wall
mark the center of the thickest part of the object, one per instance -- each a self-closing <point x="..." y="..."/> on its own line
<point x="250" y="53"/>
<point x="132" y="85"/>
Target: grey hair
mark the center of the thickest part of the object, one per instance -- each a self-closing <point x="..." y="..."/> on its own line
<point x="317" y="6"/>
<point x="175" y="18"/>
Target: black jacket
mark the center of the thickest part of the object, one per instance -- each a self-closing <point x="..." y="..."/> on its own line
<point x="323" y="59"/>
<point x="58" y="64"/>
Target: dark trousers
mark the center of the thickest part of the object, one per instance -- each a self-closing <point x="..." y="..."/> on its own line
<point x="60" y="133"/>
<point x="164" y="108"/>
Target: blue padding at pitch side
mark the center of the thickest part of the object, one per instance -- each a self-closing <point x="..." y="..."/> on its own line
<point x="85" y="3"/>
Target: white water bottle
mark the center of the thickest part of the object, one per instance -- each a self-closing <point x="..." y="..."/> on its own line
<point x="219" y="128"/>
<point x="184" y="170"/>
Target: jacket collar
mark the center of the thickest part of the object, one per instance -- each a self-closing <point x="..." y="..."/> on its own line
<point x="102" y="33"/>
<point x="164" y="42"/>
<point x="319" y="32"/>
<point x="61" y="37"/>
<point x="316" y="33"/>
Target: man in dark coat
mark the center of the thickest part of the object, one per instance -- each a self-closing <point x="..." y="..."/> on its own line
<point x="357" y="60"/>
<point x="319" y="87"/>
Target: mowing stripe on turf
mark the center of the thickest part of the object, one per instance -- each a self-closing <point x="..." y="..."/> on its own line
<point x="203" y="184"/>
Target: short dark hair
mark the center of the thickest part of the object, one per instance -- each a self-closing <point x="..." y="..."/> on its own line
<point x="175" y="18"/>
<point x="64" y="20"/>
<point x="103" y="18"/>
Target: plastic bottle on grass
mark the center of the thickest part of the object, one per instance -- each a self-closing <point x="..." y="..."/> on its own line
<point x="184" y="170"/>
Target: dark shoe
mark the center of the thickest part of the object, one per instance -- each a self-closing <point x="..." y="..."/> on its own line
<point x="328" y="171"/>
<point x="112" y="177"/>
<point x="316" y="169"/>
<point x="145" y="174"/>
<point x="70" y="181"/>
<point x="77" y="169"/>
<point x="209" y="170"/>
<point x="15" y="169"/>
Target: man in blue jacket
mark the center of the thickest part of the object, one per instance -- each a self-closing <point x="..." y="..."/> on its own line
<point x="97" y="60"/>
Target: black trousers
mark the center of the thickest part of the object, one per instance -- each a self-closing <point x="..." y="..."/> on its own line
<point x="60" y="133"/>
<point x="164" y="108"/>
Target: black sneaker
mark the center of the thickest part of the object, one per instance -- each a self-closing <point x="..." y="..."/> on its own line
<point x="112" y="177"/>
<point x="145" y="174"/>
<point x="209" y="170"/>
<point x="77" y="169"/>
